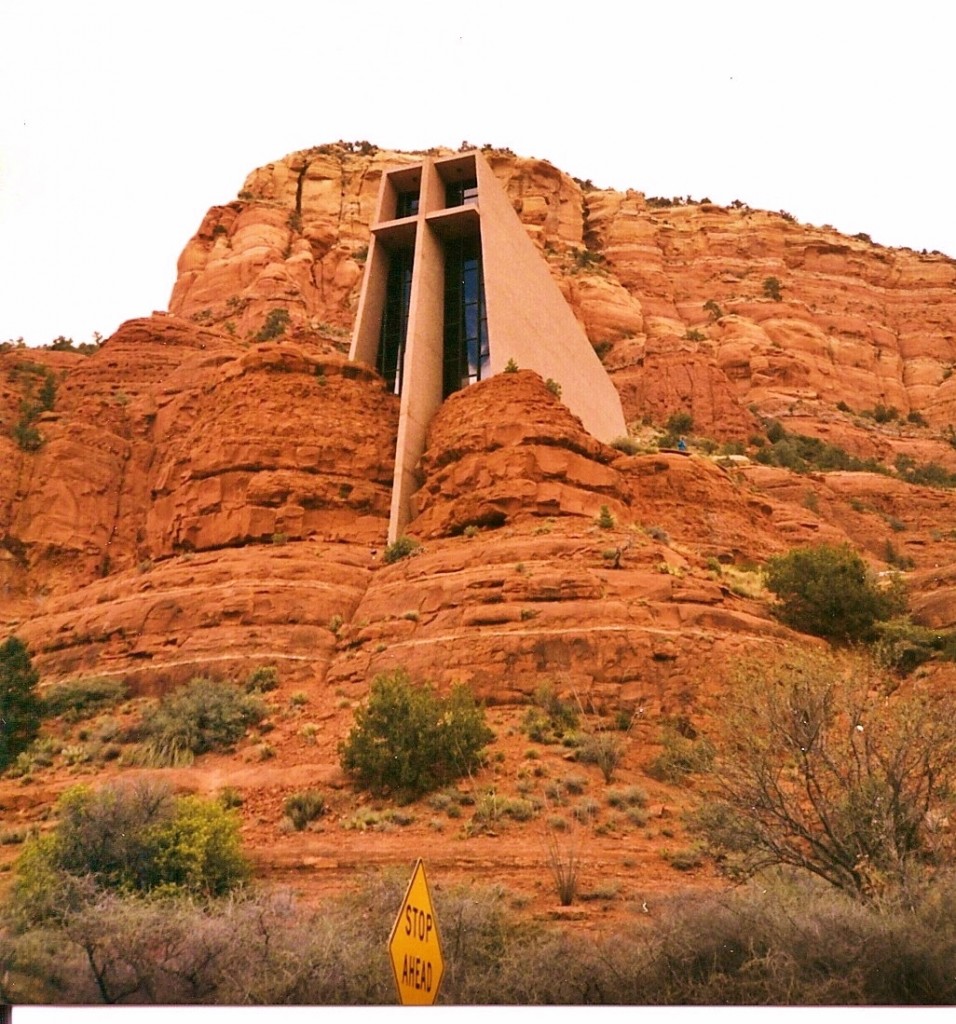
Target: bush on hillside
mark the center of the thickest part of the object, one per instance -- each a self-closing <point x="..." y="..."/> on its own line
<point x="407" y="741"/>
<point x="130" y="839"/>
<point x="203" y="715"/>
<point x="828" y="591"/>
<point x="77" y="699"/>
<point x="399" y="549"/>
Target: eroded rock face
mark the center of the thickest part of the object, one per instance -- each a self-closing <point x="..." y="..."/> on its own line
<point x="679" y="298"/>
<point x="175" y="441"/>
<point x="506" y="450"/>
<point x="214" y="484"/>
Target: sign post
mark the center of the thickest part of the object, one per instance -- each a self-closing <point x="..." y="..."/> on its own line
<point x="414" y="946"/>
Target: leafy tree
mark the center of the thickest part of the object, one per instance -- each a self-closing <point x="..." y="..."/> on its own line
<point x="818" y="769"/>
<point x="20" y="707"/>
<point x="407" y="741"/>
<point x="196" y="850"/>
<point x="828" y="591"/>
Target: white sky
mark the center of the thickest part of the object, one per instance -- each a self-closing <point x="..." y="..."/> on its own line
<point x="121" y="123"/>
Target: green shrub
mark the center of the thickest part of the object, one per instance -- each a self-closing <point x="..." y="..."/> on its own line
<point x="551" y="718"/>
<point x="40" y="754"/>
<point x="263" y="679"/>
<point x="26" y="436"/>
<point x="196" y="851"/>
<point x="274" y="325"/>
<point x="401" y="548"/>
<point x="679" y="423"/>
<point x="927" y="474"/>
<point x="684" y="860"/>
<point x="83" y="698"/>
<point x="828" y="591"/>
<point x="895" y="558"/>
<point x="494" y="809"/>
<point x="201" y="716"/>
<point x="902" y="646"/>
<point x="20" y="707"/>
<point x="803" y="454"/>
<point x="632" y="796"/>
<point x="586" y="810"/>
<point x="603" y="749"/>
<point x="134" y="838"/>
<point x="47" y="395"/>
<point x="681" y="756"/>
<point x="775" y="431"/>
<point x="407" y="741"/>
<point x="301" y="808"/>
<point x="605" y="519"/>
<point x="511" y="366"/>
<point x="884" y="414"/>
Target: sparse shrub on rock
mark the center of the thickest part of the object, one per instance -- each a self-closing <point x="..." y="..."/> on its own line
<point x="77" y="699"/>
<point x="399" y="549"/>
<point x="274" y="325"/>
<point x="603" y="749"/>
<point x="302" y="808"/>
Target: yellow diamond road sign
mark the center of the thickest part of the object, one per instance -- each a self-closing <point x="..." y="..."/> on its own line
<point x="414" y="946"/>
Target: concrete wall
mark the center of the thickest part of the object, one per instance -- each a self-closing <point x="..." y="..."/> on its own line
<point x="529" y="321"/>
<point x="422" y="377"/>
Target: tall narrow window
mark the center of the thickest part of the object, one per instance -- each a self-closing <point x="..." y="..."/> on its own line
<point x="391" y="343"/>
<point x="467" y="357"/>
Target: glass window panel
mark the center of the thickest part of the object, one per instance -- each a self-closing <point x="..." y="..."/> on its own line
<point x="406" y="204"/>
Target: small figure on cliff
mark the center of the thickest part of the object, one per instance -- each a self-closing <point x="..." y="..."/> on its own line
<point x="682" y="445"/>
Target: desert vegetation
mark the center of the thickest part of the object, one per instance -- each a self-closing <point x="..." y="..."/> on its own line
<point x="783" y="942"/>
<point x="821" y="769"/>
<point x="408" y="741"/>
<point x="20" y="706"/>
<point x="822" y="791"/>
<point x="827" y="590"/>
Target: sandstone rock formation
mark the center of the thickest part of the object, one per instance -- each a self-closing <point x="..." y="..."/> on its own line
<point x="221" y="429"/>
<point x="210" y="489"/>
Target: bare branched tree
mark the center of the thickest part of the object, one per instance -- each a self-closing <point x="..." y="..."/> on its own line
<point x="822" y="769"/>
